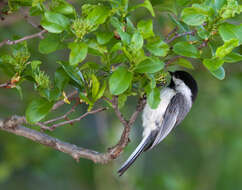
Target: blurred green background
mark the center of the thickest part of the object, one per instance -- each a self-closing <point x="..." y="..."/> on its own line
<point x="204" y="152"/>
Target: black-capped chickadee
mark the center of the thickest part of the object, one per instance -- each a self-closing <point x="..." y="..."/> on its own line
<point x="176" y="101"/>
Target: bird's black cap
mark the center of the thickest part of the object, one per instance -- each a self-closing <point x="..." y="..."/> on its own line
<point x="187" y="79"/>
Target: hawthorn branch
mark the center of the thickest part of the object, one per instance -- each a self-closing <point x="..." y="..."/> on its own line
<point x="9" y="42"/>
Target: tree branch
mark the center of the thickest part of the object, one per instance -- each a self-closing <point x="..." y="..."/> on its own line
<point x="180" y="35"/>
<point x="9" y="42"/>
<point x="13" y="125"/>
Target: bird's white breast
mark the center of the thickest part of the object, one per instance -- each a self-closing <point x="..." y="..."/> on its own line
<point x="151" y="116"/>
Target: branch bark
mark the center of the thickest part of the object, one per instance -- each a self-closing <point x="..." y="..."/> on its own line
<point x="9" y="42"/>
<point x="15" y="126"/>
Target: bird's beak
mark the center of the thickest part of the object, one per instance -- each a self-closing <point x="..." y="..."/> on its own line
<point x="171" y="73"/>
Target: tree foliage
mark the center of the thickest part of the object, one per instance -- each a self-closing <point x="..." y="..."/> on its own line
<point x="132" y="57"/>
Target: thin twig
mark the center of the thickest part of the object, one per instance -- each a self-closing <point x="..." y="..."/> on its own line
<point x="172" y="60"/>
<point x="77" y="119"/>
<point x="63" y="116"/>
<point x="171" y="33"/>
<point x="180" y="35"/>
<point x="9" y="42"/>
<point x="62" y="102"/>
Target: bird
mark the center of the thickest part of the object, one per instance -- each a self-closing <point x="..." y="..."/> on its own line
<point x="175" y="102"/>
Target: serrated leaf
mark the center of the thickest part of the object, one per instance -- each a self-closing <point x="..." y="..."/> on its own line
<point x="150" y="65"/>
<point x="226" y="48"/>
<point x="54" y="22"/>
<point x="120" y="81"/>
<point x="38" y="109"/>
<point x="186" y="49"/>
<point x="145" y="27"/>
<point x="49" y="44"/>
<point x="78" y="52"/>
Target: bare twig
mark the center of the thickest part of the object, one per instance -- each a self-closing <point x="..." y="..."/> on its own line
<point x="77" y="119"/>
<point x="9" y="42"/>
<point x="171" y="33"/>
<point x="5" y="85"/>
<point x="62" y="102"/>
<point x="172" y="60"/>
<point x="180" y="35"/>
<point x="63" y="116"/>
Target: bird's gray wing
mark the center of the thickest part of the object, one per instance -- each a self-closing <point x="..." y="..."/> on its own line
<point x="175" y="113"/>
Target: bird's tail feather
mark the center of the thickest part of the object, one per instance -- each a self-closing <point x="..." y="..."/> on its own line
<point x="141" y="148"/>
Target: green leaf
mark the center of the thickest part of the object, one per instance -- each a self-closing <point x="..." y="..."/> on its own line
<point x="95" y="86"/>
<point x="120" y="81"/>
<point x="49" y="44"/>
<point x="202" y="32"/>
<point x="153" y="98"/>
<point x="219" y="73"/>
<point x="121" y="100"/>
<point x="54" y="22"/>
<point x="145" y="27"/>
<point x="73" y="72"/>
<point x="78" y="52"/>
<point x="147" y="4"/>
<point x="101" y="91"/>
<point x="136" y="41"/>
<point x="63" y="7"/>
<point x="213" y="64"/>
<point x="150" y="65"/>
<point x="232" y="57"/>
<point x="38" y="109"/>
<point x="61" y="79"/>
<point x="186" y="49"/>
<point x="116" y="47"/>
<point x="229" y="31"/>
<point x="36" y="10"/>
<point x="104" y="37"/>
<point x="96" y="14"/>
<point x="184" y="63"/>
<point x="35" y="65"/>
<point x="157" y="47"/>
<point x="85" y="98"/>
<point x="194" y="16"/>
<point x="226" y="48"/>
